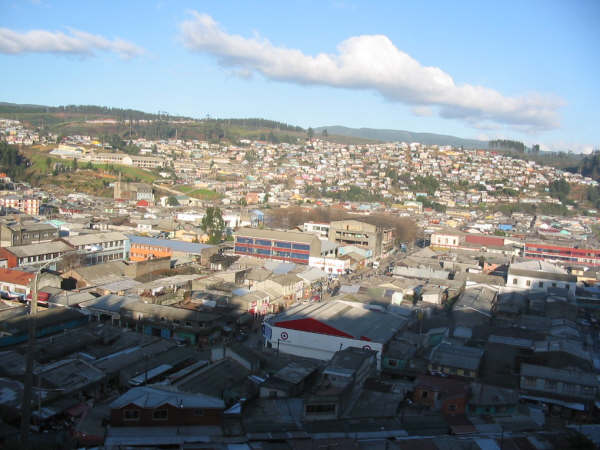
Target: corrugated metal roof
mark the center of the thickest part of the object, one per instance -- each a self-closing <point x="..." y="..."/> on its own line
<point x="154" y="396"/>
<point x="349" y="317"/>
<point x="94" y="238"/>
<point x="23" y="251"/>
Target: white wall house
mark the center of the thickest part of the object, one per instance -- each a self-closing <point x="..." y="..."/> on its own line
<point x="539" y="275"/>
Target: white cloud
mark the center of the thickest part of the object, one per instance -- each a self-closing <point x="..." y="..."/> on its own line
<point x="373" y="62"/>
<point x="561" y="146"/>
<point x="424" y="111"/>
<point x="75" y="43"/>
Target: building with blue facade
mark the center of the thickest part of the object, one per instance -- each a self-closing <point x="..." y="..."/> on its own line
<point x="290" y="246"/>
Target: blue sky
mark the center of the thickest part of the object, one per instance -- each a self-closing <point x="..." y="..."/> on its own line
<point x="526" y="70"/>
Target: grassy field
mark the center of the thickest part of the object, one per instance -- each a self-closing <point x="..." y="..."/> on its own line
<point x="202" y="194"/>
<point x="91" y="179"/>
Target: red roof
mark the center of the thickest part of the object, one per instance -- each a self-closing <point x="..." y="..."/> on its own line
<point x="16" y="276"/>
<point x="142" y="203"/>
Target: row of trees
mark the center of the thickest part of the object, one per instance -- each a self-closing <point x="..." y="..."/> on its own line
<point x="505" y="144"/>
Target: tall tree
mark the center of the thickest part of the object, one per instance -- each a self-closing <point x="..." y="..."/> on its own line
<point x="213" y="224"/>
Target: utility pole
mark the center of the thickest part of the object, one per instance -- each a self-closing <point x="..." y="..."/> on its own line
<point x="28" y="381"/>
<point x="28" y="385"/>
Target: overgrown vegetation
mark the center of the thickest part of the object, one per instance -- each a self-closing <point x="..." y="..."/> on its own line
<point x="352" y="194"/>
<point x="12" y="162"/>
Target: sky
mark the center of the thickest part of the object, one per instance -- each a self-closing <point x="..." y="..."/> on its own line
<point x="523" y="70"/>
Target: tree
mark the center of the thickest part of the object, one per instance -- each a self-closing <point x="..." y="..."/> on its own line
<point x="172" y="201"/>
<point x="560" y="189"/>
<point x="48" y="163"/>
<point x="213" y="224"/>
<point x="310" y="133"/>
<point x="325" y="134"/>
<point x="75" y="164"/>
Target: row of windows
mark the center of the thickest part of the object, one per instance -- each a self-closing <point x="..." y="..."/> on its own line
<point x="572" y="252"/>
<point x="564" y="258"/>
<point x="553" y="385"/>
<point x="109" y="244"/>
<point x="37" y="258"/>
<point x="540" y="284"/>
<point x="148" y="247"/>
<point x="133" y="415"/>
<point x="299" y="256"/>
<point x="263" y="252"/>
<point x="269" y="243"/>
<point x="37" y="235"/>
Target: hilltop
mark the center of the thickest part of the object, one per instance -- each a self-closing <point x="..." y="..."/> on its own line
<point x="403" y="136"/>
<point x="103" y="121"/>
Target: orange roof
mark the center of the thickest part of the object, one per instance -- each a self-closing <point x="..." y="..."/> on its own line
<point x="16" y="276"/>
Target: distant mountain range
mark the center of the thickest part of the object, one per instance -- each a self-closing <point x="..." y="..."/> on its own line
<point x="403" y="136"/>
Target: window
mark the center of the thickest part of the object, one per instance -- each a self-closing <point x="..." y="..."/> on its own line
<point x="262" y="242"/>
<point x="452" y="407"/>
<point x="283" y="244"/>
<point x="514" y="281"/>
<point x="541" y="284"/>
<point x="299" y="256"/>
<point x="198" y="412"/>
<point x="553" y="284"/>
<point x="131" y="414"/>
<point x="321" y="409"/>
<point x="244" y="240"/>
<point x="301" y="247"/>
<point x="160" y="414"/>
<point x="424" y="394"/>
<point x="549" y="384"/>
<point x="528" y="283"/>
<point x="392" y="362"/>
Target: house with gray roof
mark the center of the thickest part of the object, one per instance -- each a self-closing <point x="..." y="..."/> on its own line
<point x="569" y="387"/>
<point x="455" y="359"/>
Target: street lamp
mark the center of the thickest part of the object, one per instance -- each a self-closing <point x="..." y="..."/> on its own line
<point x="28" y="384"/>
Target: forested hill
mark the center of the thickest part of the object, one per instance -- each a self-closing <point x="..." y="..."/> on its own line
<point x="91" y="112"/>
<point x="589" y="166"/>
<point x="403" y="136"/>
<point x="129" y="123"/>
